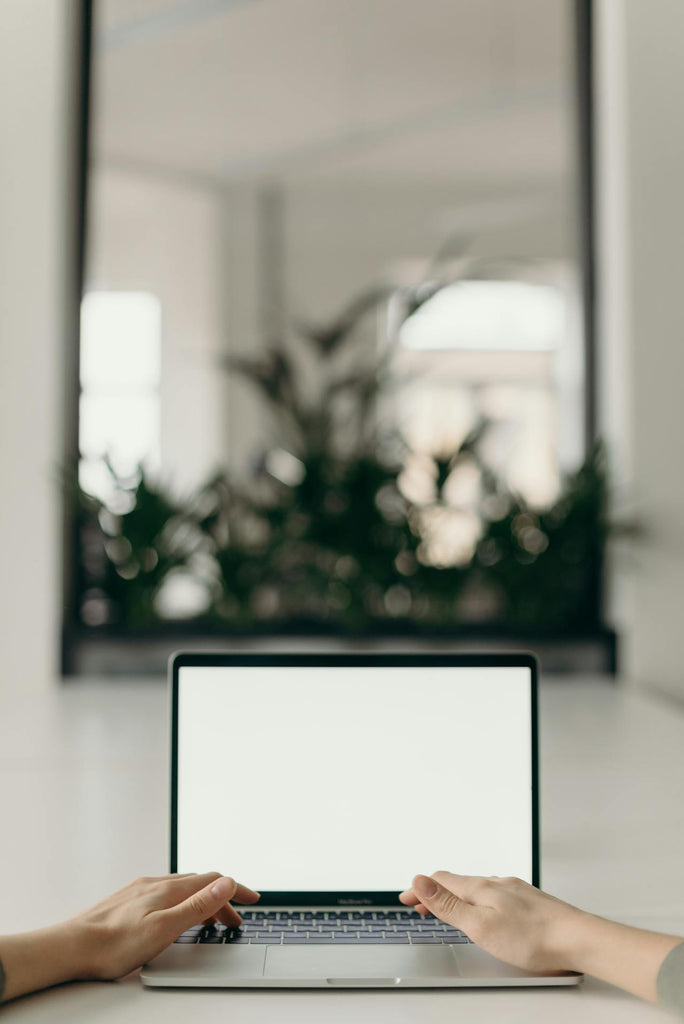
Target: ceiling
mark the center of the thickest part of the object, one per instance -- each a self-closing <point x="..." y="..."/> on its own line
<point x="470" y="92"/>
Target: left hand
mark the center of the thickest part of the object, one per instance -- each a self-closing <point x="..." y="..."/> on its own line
<point x="132" y="926"/>
<point x="121" y="932"/>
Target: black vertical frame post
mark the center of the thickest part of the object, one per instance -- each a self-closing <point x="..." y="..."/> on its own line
<point x="85" y="90"/>
<point x="586" y="195"/>
<point x="583" y="53"/>
<point x="79" y="127"/>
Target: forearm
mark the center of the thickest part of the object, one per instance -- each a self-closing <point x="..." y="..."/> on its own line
<point x="629" y="958"/>
<point x="42" y="958"/>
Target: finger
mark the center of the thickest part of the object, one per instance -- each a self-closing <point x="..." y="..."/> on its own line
<point x="245" y="895"/>
<point x="179" y="887"/>
<point x="408" y="898"/>
<point x="470" y="888"/>
<point x="206" y="902"/>
<point x="229" y="916"/>
<point x="443" y="903"/>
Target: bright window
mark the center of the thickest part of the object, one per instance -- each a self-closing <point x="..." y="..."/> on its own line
<point x="504" y="316"/>
<point x="120" y="414"/>
<point x="503" y="352"/>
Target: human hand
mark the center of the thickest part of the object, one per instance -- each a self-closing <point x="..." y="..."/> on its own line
<point x="537" y="932"/>
<point x="130" y="927"/>
<point x="121" y="932"/>
<point x="504" y="916"/>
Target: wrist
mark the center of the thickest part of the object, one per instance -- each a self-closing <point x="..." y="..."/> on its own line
<point x="77" y="948"/>
<point x="573" y="935"/>
<point x="627" y="957"/>
<point x="39" y="959"/>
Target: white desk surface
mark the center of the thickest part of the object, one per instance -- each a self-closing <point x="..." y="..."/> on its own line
<point x="84" y="808"/>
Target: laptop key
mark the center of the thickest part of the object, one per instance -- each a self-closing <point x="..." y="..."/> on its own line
<point x="422" y="940"/>
<point x="187" y="939"/>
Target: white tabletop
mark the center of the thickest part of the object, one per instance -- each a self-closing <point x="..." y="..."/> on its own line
<point x="83" y="793"/>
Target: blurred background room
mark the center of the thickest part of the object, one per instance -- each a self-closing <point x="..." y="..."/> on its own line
<point x="337" y="325"/>
<point x="335" y="380"/>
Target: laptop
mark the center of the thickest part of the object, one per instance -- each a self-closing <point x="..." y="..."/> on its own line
<point x="326" y="782"/>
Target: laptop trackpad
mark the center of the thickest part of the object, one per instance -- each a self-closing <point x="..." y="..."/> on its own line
<point x="368" y="965"/>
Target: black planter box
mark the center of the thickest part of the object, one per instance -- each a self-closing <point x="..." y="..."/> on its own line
<point x="113" y="651"/>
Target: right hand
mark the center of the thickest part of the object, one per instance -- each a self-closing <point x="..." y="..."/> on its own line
<point x="504" y="916"/>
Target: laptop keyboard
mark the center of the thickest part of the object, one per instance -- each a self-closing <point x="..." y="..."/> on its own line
<point x="298" y="927"/>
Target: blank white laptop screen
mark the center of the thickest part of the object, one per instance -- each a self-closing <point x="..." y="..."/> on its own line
<point x="353" y="778"/>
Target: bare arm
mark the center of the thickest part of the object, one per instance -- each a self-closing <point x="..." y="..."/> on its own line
<point x="118" y="934"/>
<point x="530" y="929"/>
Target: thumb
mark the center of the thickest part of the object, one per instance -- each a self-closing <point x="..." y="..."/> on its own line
<point x="201" y="904"/>
<point x="443" y="903"/>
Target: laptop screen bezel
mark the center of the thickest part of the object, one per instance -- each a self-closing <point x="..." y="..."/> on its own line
<point x="418" y="660"/>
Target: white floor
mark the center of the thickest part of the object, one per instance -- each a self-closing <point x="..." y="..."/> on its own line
<point x="84" y="805"/>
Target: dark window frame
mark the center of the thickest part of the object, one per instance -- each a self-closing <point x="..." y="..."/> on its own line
<point x="80" y="128"/>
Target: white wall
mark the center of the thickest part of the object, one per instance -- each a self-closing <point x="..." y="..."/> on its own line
<point x="640" y="88"/>
<point x="34" y="59"/>
<point x="341" y="238"/>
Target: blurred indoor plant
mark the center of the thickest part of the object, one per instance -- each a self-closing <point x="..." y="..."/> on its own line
<point x="322" y="535"/>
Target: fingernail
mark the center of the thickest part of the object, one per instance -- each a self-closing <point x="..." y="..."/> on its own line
<point x="222" y="887"/>
<point x="425" y="887"/>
